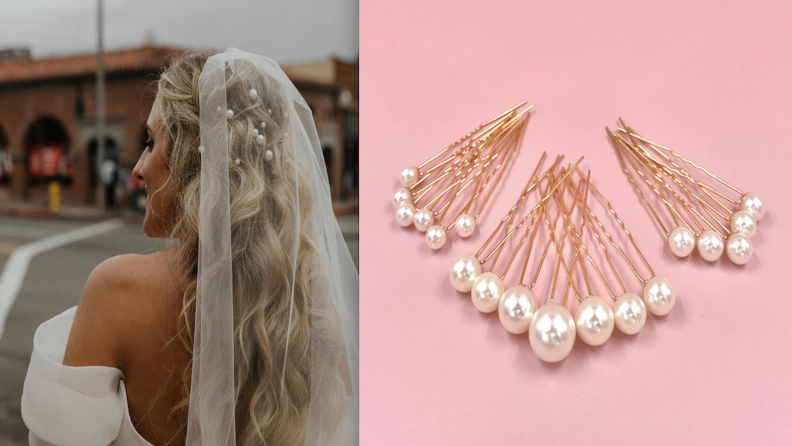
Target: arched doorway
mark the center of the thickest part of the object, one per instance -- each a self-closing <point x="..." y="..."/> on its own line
<point x="47" y="147"/>
<point x="6" y="167"/>
<point x="49" y="158"/>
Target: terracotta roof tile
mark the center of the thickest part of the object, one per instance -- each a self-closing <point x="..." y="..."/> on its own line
<point x="136" y="59"/>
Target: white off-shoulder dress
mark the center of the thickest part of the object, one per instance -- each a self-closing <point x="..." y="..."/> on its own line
<point x="73" y="406"/>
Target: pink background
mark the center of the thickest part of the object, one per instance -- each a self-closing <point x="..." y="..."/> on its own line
<point x="711" y="79"/>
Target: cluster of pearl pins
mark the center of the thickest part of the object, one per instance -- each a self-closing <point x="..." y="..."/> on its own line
<point x="710" y="244"/>
<point x="478" y="159"/>
<point x="551" y="328"/>
<point x="258" y="136"/>
<point x="645" y="157"/>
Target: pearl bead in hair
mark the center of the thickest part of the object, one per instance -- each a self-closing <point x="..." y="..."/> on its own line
<point x="268" y="155"/>
<point x="260" y="140"/>
<point x="237" y="161"/>
<point x="255" y="132"/>
<point x="253" y="94"/>
<point x="263" y="125"/>
<point x="200" y="149"/>
<point x="269" y="110"/>
<point x="230" y="114"/>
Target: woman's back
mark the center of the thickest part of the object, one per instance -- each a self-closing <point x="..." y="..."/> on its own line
<point x="127" y="318"/>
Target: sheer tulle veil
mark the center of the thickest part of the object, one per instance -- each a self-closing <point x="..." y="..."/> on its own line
<point x="332" y="415"/>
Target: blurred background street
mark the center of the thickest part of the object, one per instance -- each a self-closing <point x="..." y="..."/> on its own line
<point x="54" y="282"/>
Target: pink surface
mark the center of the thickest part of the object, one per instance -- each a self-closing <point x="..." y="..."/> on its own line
<point x="711" y="79"/>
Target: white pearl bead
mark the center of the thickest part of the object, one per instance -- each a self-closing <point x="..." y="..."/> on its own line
<point x="268" y="155"/>
<point x="464" y="270"/>
<point x="594" y="320"/>
<point x="255" y="132"/>
<point x="253" y="94"/>
<point x="739" y="249"/>
<point x="269" y="111"/>
<point x="516" y="308"/>
<point x="435" y="237"/>
<point x="237" y="161"/>
<point x="710" y="245"/>
<point x="752" y="204"/>
<point x="659" y="296"/>
<point x="465" y="224"/>
<point x="263" y="125"/>
<point x="260" y="140"/>
<point x="742" y="222"/>
<point x="552" y="333"/>
<point x="230" y="114"/>
<point x="401" y="197"/>
<point x="486" y="292"/>
<point x="424" y="219"/>
<point x="409" y="176"/>
<point x="200" y="149"/>
<point x="629" y="312"/>
<point x="405" y="214"/>
<point x="682" y="241"/>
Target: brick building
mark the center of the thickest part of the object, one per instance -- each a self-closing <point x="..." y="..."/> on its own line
<point x="48" y="124"/>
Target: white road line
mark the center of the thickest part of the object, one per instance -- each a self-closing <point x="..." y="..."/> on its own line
<point x="17" y="264"/>
<point x="22" y="232"/>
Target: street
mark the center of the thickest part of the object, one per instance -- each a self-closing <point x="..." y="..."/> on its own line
<point x="53" y="283"/>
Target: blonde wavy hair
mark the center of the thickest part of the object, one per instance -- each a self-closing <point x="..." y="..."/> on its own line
<point x="263" y="214"/>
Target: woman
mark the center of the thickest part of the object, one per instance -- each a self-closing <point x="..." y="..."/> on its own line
<point x="245" y="333"/>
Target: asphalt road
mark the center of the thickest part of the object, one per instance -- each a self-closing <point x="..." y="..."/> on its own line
<point x="52" y="284"/>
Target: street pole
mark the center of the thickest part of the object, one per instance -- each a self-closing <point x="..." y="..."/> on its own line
<point x="100" y="96"/>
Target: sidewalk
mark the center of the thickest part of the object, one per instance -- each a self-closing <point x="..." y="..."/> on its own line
<point x="95" y="213"/>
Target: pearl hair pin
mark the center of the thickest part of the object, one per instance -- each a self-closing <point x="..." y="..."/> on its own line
<point x="708" y="214"/>
<point x="552" y="328"/>
<point x="475" y="161"/>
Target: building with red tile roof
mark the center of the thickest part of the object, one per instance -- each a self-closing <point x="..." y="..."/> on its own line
<point x="47" y="118"/>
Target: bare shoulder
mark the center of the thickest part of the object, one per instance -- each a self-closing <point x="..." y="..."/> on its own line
<point x="124" y="295"/>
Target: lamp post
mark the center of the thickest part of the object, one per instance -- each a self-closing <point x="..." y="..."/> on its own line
<point x="100" y="92"/>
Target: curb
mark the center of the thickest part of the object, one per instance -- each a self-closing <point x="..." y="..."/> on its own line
<point x="39" y="213"/>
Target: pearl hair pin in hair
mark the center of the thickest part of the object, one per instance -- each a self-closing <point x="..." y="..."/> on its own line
<point x="253" y="94"/>
<point x="472" y="163"/>
<point x="552" y="328"/>
<point x="705" y="212"/>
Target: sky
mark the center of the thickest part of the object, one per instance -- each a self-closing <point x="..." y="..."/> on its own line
<point x="284" y="30"/>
